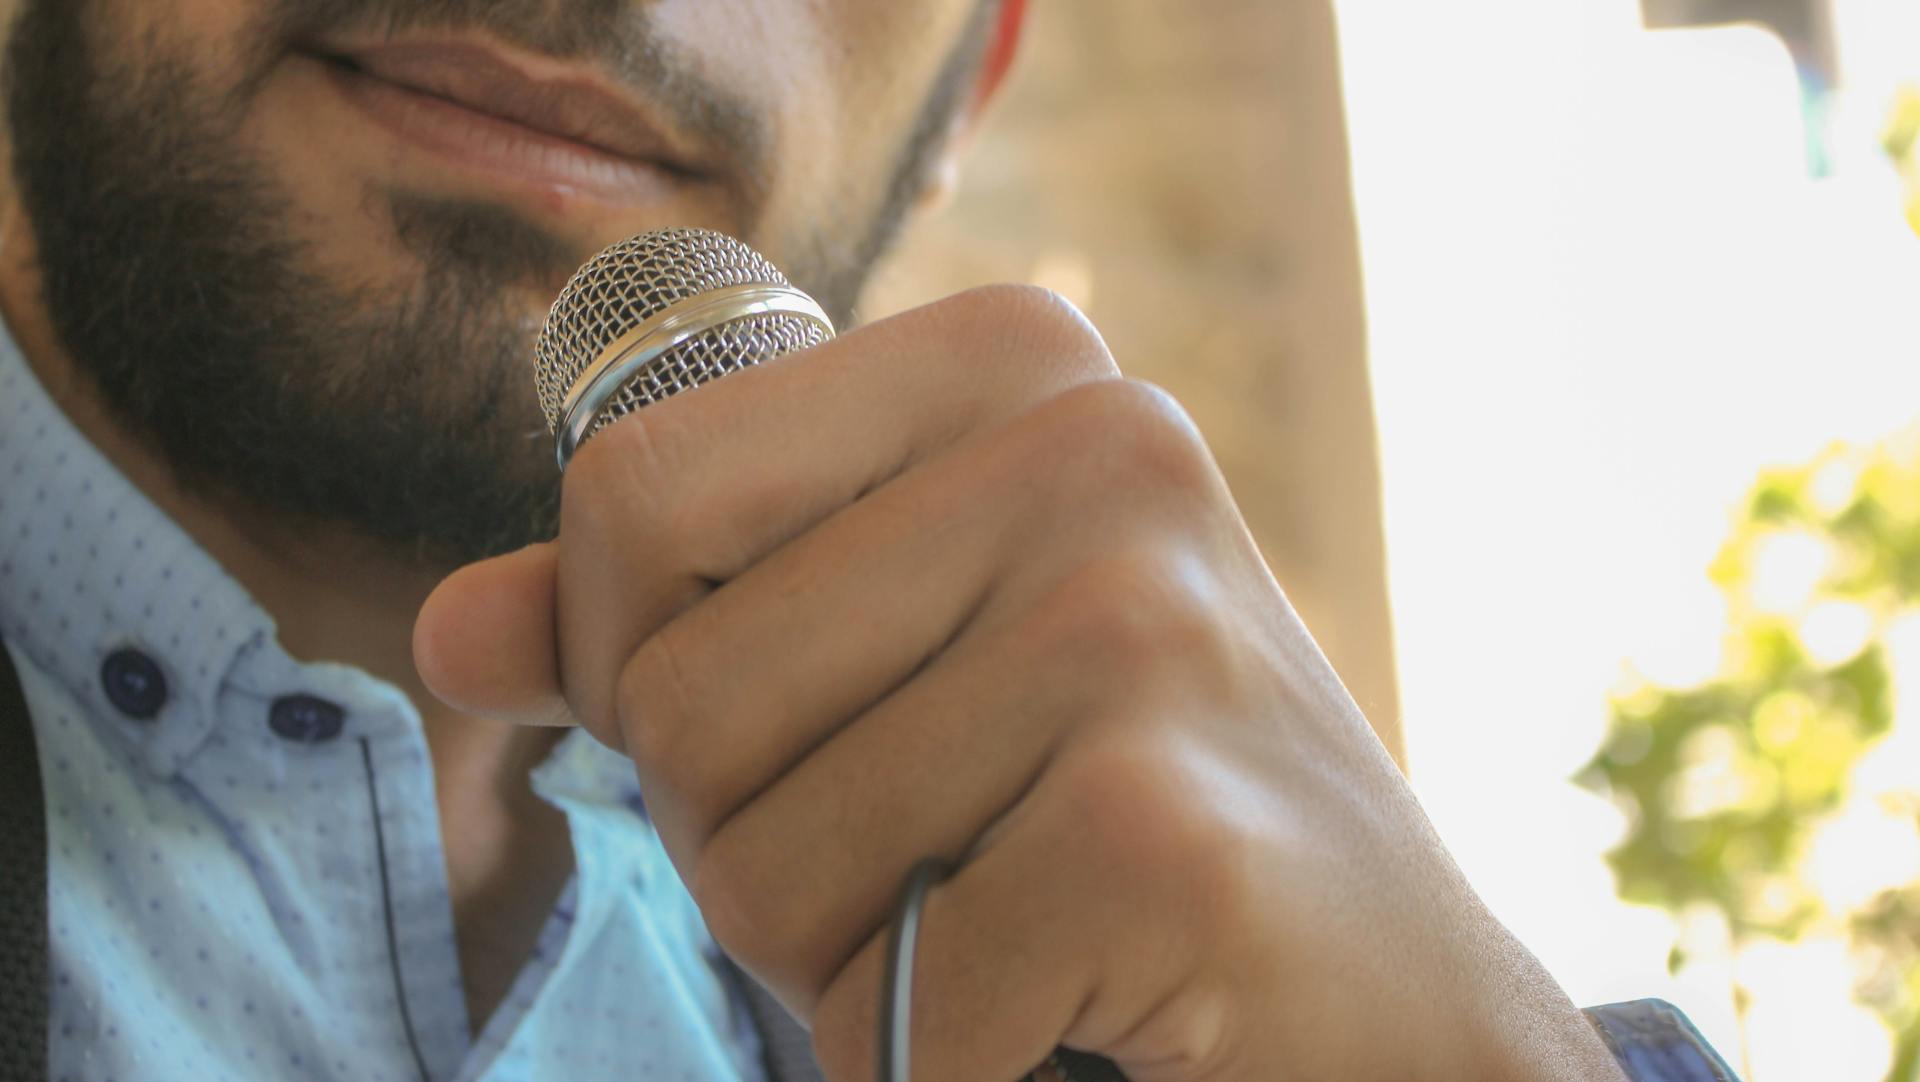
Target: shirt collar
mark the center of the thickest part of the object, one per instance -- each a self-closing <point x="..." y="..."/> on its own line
<point x="91" y="570"/>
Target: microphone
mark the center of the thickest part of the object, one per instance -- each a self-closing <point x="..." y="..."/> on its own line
<point x="662" y="313"/>
<point x="657" y="314"/>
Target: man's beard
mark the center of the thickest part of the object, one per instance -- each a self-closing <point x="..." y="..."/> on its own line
<point x="173" y="282"/>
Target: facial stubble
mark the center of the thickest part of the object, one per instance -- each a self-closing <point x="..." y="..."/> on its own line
<point x="214" y="335"/>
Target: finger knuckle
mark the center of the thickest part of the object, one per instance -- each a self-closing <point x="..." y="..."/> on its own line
<point x="1098" y="618"/>
<point x="1134" y="432"/>
<point x="619" y="488"/>
<point x="658" y="698"/>
<point x="1203" y="850"/>
<point x="1031" y="325"/>
<point x="1214" y="863"/>
<point x="1142" y="805"/>
<point x="770" y="926"/>
<point x="610" y="461"/>
<point x="1197" y="1034"/>
<point x="1132" y="619"/>
<point x="842" y="1032"/>
<point x="737" y="908"/>
<point x="1110" y="808"/>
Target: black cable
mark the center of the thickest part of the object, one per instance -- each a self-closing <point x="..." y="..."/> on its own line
<point x="894" y="1059"/>
<point x="386" y="908"/>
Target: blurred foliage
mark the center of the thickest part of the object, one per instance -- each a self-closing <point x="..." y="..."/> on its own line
<point x="1888" y="931"/>
<point x="1902" y="142"/>
<point x="1727" y="786"/>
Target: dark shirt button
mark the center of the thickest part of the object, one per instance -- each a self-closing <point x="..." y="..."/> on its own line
<point x="304" y="719"/>
<point x="135" y="685"/>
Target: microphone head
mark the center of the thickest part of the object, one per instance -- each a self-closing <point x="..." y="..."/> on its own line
<point x="658" y="314"/>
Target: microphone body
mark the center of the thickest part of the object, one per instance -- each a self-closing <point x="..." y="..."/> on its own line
<point x="662" y="313"/>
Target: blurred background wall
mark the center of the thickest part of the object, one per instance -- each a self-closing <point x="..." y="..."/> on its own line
<point x="1181" y="174"/>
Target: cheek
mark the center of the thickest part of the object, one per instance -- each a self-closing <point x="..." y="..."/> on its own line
<point x="218" y="46"/>
<point x="840" y="84"/>
<point x="216" y="39"/>
<point x="781" y="58"/>
<point x="850" y="120"/>
<point x="233" y="72"/>
<point x="890" y="53"/>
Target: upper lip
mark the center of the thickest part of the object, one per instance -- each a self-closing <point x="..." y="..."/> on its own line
<point x="545" y="95"/>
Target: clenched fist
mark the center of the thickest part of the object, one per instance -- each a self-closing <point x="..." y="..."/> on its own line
<point x="950" y="585"/>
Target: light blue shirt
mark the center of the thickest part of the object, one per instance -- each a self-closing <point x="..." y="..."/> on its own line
<point x="245" y="872"/>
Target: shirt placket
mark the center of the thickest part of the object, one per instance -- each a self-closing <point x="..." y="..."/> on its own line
<point x="416" y="906"/>
<point x="324" y="778"/>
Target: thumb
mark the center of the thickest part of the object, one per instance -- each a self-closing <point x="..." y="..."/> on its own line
<point x="484" y="641"/>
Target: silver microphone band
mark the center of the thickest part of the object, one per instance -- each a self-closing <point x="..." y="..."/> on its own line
<point x="632" y="352"/>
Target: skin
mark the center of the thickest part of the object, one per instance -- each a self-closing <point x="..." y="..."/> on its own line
<point x="1185" y="849"/>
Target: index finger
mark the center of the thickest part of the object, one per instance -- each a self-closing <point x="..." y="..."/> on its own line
<point x="693" y="490"/>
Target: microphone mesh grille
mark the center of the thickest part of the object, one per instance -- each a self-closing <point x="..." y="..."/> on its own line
<point x="635" y="280"/>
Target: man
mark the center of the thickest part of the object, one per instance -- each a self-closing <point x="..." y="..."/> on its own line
<point x="947" y="586"/>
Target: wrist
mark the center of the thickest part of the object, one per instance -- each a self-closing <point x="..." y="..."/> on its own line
<point x="1557" y="1045"/>
<point x="1532" y="1032"/>
<point x="1571" y="1050"/>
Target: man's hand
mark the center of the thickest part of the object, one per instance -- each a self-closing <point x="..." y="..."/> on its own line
<point x="951" y="586"/>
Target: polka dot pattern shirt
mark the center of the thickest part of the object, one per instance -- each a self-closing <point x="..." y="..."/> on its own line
<point x="245" y="873"/>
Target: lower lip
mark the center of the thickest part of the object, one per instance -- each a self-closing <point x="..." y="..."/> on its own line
<point x="506" y="150"/>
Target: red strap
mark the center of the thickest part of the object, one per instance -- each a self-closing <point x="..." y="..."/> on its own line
<point x="1005" y="46"/>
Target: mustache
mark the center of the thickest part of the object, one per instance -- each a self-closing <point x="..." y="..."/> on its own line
<point x="616" y="37"/>
<point x="602" y="31"/>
